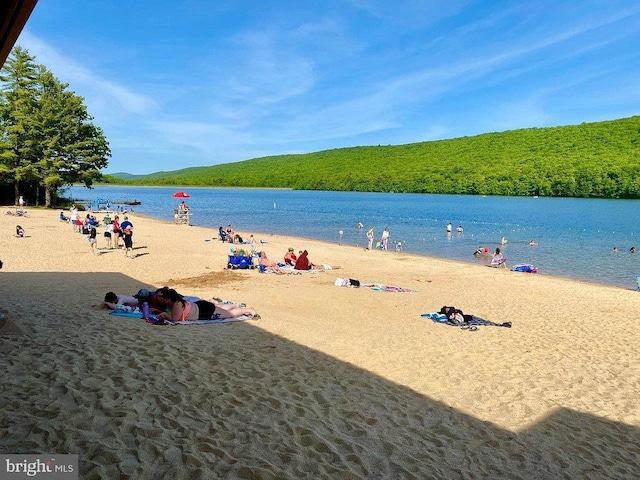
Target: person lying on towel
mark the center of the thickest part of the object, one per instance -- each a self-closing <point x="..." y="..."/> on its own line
<point x="183" y="310"/>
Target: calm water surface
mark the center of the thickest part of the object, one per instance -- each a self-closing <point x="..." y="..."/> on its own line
<point x="575" y="236"/>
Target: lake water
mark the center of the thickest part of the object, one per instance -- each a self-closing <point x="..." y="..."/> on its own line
<point x="575" y="236"/>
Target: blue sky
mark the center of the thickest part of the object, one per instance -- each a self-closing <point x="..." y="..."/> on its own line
<point x="176" y="84"/>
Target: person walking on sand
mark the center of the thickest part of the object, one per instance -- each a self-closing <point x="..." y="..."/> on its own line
<point x="116" y="232"/>
<point x="108" y="230"/>
<point x="73" y="217"/>
<point x="370" y="236"/>
<point x="93" y="241"/>
<point x="127" y="236"/>
<point x="384" y="240"/>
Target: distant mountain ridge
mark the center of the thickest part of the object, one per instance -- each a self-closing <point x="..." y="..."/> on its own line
<point x="599" y="159"/>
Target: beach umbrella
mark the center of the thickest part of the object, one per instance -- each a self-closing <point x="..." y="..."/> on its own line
<point x="181" y="194"/>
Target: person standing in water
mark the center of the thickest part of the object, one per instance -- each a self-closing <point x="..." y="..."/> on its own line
<point x="384" y="240"/>
<point x="370" y="238"/>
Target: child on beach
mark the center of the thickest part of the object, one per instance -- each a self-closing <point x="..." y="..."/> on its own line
<point x="113" y="301"/>
<point x="93" y="241"/>
<point x="127" y="236"/>
<point x="19" y="231"/>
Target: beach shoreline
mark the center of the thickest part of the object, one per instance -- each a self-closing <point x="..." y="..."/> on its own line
<point x="331" y="381"/>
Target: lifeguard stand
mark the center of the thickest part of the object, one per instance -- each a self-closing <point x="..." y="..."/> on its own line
<point x="182" y="217"/>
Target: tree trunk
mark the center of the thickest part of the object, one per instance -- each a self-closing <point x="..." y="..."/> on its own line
<point x="47" y="197"/>
<point x="16" y="191"/>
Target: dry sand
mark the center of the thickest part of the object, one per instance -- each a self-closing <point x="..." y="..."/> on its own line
<point x="332" y="382"/>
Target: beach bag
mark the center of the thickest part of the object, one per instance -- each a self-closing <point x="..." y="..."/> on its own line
<point x="353" y="282"/>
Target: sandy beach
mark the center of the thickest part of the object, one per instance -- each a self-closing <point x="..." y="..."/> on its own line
<point x="331" y="382"/>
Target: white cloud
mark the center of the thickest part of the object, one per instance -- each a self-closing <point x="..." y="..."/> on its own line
<point x="112" y="98"/>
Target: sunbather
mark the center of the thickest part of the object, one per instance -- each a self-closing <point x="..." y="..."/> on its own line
<point x="113" y="301"/>
<point x="183" y="310"/>
<point x="270" y="265"/>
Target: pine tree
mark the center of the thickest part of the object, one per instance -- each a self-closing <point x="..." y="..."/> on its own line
<point x="17" y="104"/>
<point x="48" y="137"/>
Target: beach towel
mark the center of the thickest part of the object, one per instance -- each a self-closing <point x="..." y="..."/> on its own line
<point x="123" y="313"/>
<point x="126" y="314"/>
<point x="524" y="267"/>
<point x="155" y="321"/>
<point x="386" y="288"/>
<point x="470" y="321"/>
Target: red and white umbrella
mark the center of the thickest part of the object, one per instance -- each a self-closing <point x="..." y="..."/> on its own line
<point x="181" y="194"/>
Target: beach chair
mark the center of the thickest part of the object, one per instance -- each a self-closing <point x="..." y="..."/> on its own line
<point x="224" y="237"/>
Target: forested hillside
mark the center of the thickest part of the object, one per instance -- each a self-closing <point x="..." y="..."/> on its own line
<point x="589" y="160"/>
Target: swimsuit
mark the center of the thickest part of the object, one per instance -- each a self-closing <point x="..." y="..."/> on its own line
<point x="206" y="309"/>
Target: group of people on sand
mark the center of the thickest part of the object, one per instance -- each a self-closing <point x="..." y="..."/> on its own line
<point x="292" y="263"/>
<point x="229" y="235"/>
<point x="167" y="304"/>
<point x="113" y="230"/>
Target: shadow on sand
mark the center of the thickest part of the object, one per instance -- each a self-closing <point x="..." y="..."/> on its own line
<point x="233" y="401"/>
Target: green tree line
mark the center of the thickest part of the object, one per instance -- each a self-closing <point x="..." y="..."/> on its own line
<point x="599" y="160"/>
<point x="47" y="138"/>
